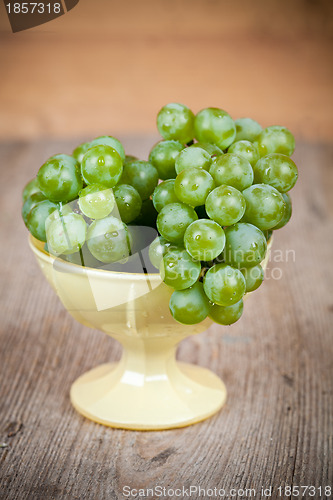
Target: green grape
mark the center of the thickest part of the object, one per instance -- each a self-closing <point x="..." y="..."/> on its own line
<point x="287" y="212"/>
<point x="247" y="129"/>
<point x="108" y="240"/>
<point x="142" y="175"/>
<point x="96" y="201"/>
<point x="102" y="165"/>
<point x="189" y="306"/>
<point x="254" y="276"/>
<point x="66" y="233"/>
<point x="275" y="139"/>
<point x="225" y="205"/>
<point x="163" y="157"/>
<point x="211" y="149"/>
<point x="226" y="315"/>
<point x="204" y="239"/>
<point x="264" y="206"/>
<point x="215" y="126"/>
<point x="175" y="121"/>
<point x="193" y="185"/>
<point x="80" y="151"/>
<point x="193" y="157"/>
<point x="129" y="202"/>
<point x="277" y="170"/>
<point x="59" y="178"/>
<point x="179" y="270"/>
<point x="129" y="159"/>
<point x="107" y="140"/>
<point x="62" y="156"/>
<point x="224" y="285"/>
<point x="31" y="188"/>
<point x="164" y="193"/>
<point x="245" y="245"/>
<point x="157" y="249"/>
<point x="37" y="217"/>
<point x="58" y="214"/>
<point x="232" y="170"/>
<point x="246" y="149"/>
<point x="30" y="203"/>
<point x="147" y="215"/>
<point x="173" y="220"/>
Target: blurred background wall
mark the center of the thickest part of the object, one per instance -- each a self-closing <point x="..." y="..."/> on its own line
<point x="107" y="67"/>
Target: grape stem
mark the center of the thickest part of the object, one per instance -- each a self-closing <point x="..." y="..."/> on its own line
<point x="66" y="233"/>
<point x="204" y="269"/>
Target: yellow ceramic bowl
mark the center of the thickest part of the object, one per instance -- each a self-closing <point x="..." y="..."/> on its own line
<point x="148" y="389"/>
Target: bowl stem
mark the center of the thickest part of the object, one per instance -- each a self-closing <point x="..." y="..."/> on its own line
<point x="148" y="389"/>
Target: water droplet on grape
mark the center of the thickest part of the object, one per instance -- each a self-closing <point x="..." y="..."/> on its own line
<point x="101" y="161"/>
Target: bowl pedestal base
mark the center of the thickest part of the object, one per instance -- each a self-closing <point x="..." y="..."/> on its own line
<point x="148" y="390"/>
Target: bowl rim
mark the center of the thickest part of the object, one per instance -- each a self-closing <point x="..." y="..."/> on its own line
<point x="37" y="247"/>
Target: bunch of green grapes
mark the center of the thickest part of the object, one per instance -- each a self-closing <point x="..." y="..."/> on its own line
<point x="213" y="188"/>
<point x="83" y="203"/>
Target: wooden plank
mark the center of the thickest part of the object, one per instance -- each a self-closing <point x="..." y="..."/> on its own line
<point x="276" y="428"/>
<point x="112" y="67"/>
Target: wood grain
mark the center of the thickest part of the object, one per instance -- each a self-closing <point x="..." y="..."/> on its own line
<point x="110" y="66"/>
<point x="277" y="426"/>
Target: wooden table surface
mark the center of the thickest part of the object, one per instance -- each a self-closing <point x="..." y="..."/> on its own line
<point x="277" y="426"/>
